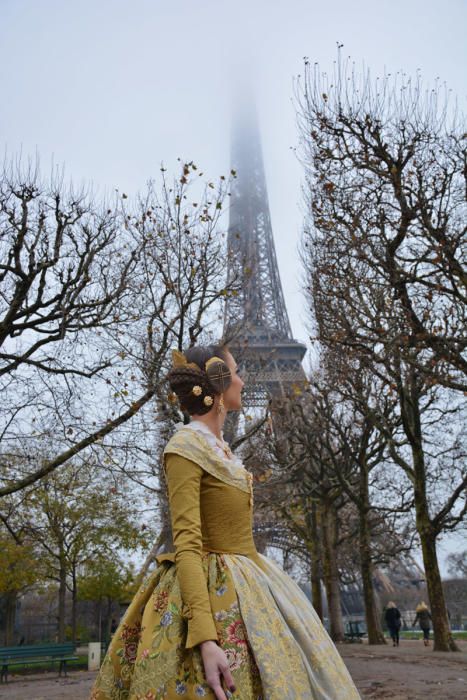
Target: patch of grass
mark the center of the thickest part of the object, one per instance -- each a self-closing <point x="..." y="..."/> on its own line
<point x="409" y="634"/>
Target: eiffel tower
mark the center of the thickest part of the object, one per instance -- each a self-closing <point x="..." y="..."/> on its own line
<point x="256" y="324"/>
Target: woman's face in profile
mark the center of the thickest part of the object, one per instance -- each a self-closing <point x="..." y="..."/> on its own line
<point x="233" y="395"/>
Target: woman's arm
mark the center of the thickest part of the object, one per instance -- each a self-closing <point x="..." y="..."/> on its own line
<point x="184" y="483"/>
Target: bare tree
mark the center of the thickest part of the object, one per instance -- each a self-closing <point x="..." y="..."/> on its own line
<point x="355" y="449"/>
<point x="458" y="564"/>
<point x="391" y="162"/>
<point x="92" y="297"/>
<point x="385" y="250"/>
<point x="310" y="498"/>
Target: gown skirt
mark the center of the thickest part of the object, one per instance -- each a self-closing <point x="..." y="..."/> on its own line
<point x="275" y="643"/>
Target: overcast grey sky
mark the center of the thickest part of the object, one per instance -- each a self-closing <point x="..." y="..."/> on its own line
<point x="111" y="89"/>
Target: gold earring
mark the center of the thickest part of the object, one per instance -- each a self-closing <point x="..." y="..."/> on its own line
<point x="220" y="405"/>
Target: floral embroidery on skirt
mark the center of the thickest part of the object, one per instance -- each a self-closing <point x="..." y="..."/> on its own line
<point x="147" y="659"/>
<point x="276" y="645"/>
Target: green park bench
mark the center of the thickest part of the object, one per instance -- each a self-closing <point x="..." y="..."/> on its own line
<point x="354" y="631"/>
<point x="36" y="654"/>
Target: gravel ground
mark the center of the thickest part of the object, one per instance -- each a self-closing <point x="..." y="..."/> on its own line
<point x="47" y="686"/>
<point x="409" y="672"/>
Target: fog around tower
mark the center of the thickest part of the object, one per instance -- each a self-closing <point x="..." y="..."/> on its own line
<point x="111" y="89"/>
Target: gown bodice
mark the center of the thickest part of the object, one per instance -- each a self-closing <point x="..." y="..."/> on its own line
<point x="225" y="492"/>
<point x="226" y="518"/>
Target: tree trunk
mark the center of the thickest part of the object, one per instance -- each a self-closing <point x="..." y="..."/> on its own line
<point x="443" y="639"/>
<point x="10" y="618"/>
<point x="164" y="541"/>
<point x="62" y="602"/>
<point x="314" y="548"/>
<point x="74" y="601"/>
<point x="372" y="618"/>
<point x="410" y="412"/>
<point x="108" y="623"/>
<point x="331" y="573"/>
<point x="99" y="628"/>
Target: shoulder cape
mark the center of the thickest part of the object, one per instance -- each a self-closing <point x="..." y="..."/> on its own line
<point x="192" y="445"/>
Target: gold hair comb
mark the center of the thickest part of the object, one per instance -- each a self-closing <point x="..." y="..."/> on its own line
<point x="179" y="360"/>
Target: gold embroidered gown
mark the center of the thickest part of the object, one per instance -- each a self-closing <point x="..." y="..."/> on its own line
<point x="217" y="586"/>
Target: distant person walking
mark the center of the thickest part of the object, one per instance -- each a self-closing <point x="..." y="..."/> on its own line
<point x="424" y="618"/>
<point x="392" y="618"/>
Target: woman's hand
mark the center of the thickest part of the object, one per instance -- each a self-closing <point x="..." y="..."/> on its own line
<point x="216" y="667"/>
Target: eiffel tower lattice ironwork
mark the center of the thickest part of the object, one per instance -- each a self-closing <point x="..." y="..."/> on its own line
<point x="256" y="322"/>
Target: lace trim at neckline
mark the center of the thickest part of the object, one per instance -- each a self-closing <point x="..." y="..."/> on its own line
<point x="213" y="441"/>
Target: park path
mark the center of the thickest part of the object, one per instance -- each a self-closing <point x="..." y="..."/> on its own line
<point x="47" y="686"/>
<point x="410" y="672"/>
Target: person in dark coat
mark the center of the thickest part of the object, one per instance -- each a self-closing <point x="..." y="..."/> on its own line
<point x="392" y="618"/>
<point x="423" y="616"/>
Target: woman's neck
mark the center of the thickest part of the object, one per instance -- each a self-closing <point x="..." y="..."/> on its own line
<point x="213" y="421"/>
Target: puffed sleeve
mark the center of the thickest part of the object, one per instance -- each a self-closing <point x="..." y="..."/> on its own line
<point x="184" y="484"/>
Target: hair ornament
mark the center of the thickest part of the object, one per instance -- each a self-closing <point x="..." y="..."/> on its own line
<point x="219" y="374"/>
<point x="208" y="401"/>
<point x="197" y="390"/>
<point x="179" y="360"/>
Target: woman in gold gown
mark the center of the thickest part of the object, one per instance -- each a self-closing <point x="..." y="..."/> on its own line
<point x="217" y="619"/>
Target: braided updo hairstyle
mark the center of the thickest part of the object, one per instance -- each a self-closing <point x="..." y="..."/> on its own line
<point x="183" y="379"/>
